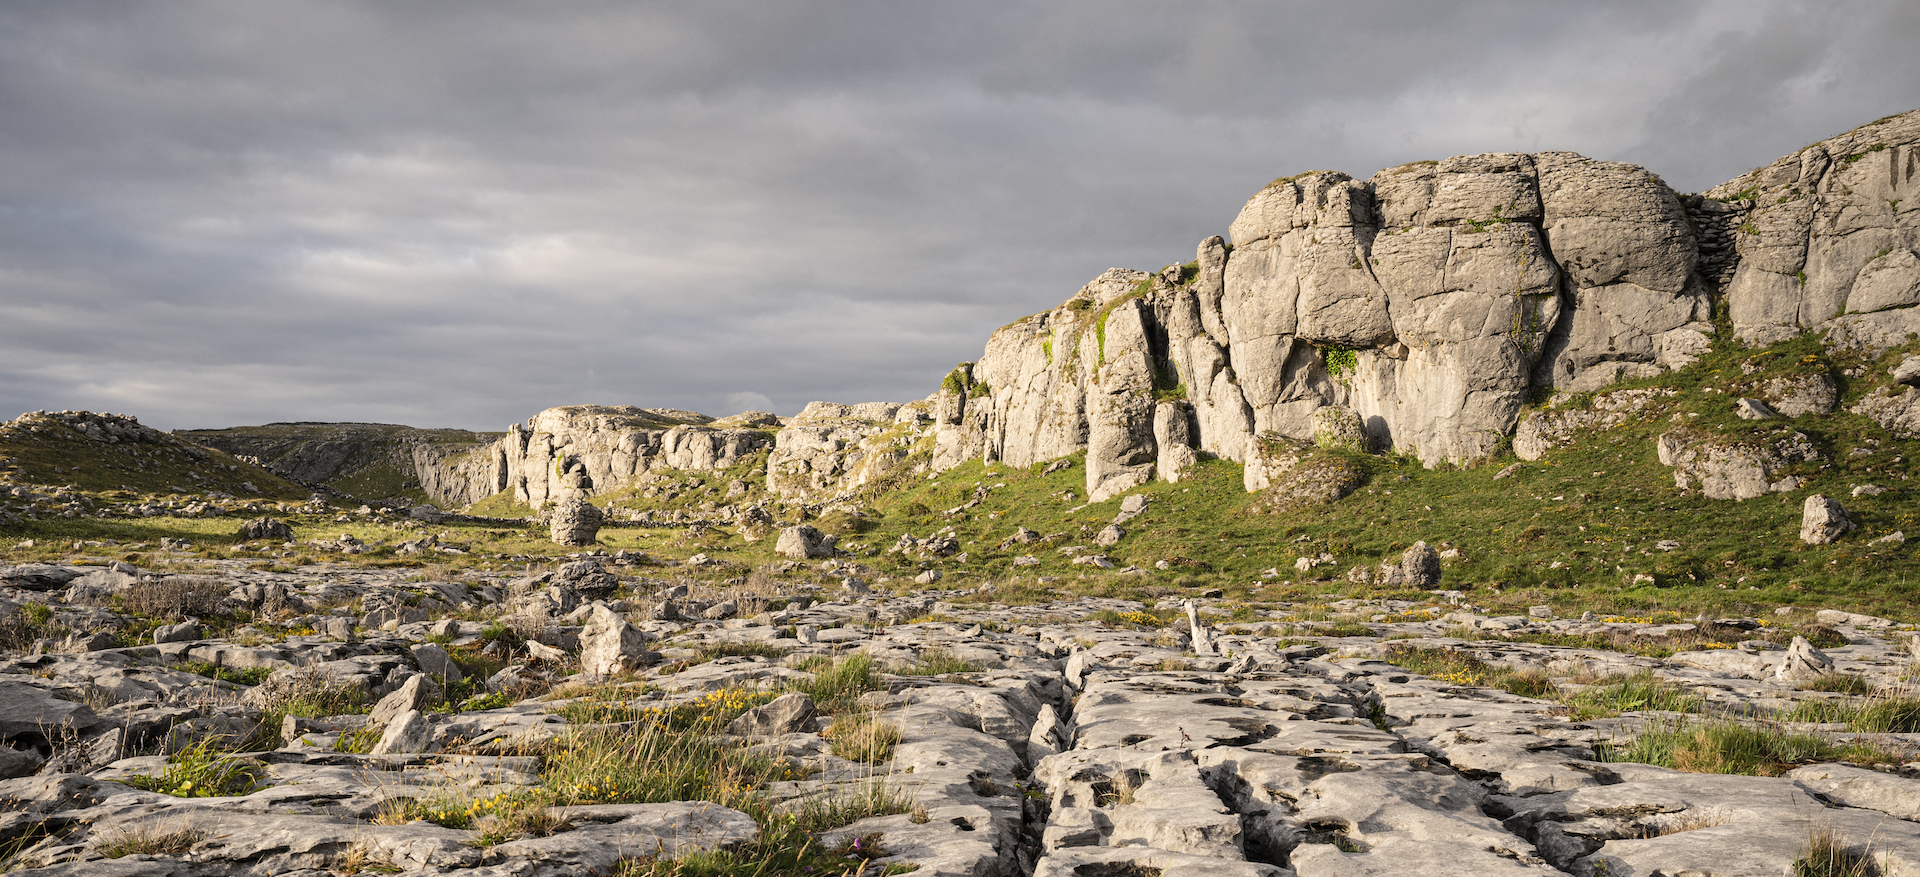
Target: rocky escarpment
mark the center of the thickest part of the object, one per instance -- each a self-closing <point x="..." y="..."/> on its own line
<point x="371" y="460"/>
<point x="608" y="444"/>
<point x="829" y="450"/>
<point x="1430" y="299"/>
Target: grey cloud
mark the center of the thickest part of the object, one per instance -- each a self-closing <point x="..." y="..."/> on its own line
<point x="456" y="214"/>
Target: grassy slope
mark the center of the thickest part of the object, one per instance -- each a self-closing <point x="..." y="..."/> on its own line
<point x="1595" y="507"/>
<point x="381" y="468"/>
<point x="49" y="452"/>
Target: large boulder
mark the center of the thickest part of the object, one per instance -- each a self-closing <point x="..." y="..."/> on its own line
<point x="266" y="528"/>
<point x="610" y="645"/>
<point x="1823" y="520"/>
<point x="575" y="522"/>
<point x="803" y="542"/>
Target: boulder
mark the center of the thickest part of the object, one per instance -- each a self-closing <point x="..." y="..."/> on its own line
<point x="1336" y="427"/>
<point x="789" y="713"/>
<point x="1421" y="565"/>
<point x="1753" y="409"/>
<point x="803" y="542"/>
<point x="407" y="733"/>
<point x="437" y="663"/>
<point x="415" y="694"/>
<point x="1907" y="372"/>
<point x="575" y="521"/>
<point x="587" y="577"/>
<point x="1795" y="395"/>
<point x="610" y="645"/>
<point x="1723" y="469"/>
<point x="186" y="631"/>
<point x="1802" y="662"/>
<point x="266" y="528"/>
<point x="1823" y="520"/>
<point x="38" y="576"/>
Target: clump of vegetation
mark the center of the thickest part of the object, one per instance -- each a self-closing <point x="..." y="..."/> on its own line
<point x="1726" y="745"/>
<point x="1874" y="714"/>
<point x="1828" y="853"/>
<point x="934" y="662"/>
<point x="201" y="770"/>
<point x="861" y="736"/>
<point x="1461" y="668"/>
<point x="837" y="684"/>
<point x="145" y="839"/>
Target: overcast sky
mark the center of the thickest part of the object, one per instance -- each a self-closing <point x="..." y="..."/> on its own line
<point x="455" y="214"/>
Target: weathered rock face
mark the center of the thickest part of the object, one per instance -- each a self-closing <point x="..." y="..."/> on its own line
<point x="1827" y="238"/>
<point x="609" y="445"/>
<point x="1430" y="298"/>
<point x="828" y="450"/>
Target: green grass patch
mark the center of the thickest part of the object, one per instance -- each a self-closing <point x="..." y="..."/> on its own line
<point x="1720" y="745"/>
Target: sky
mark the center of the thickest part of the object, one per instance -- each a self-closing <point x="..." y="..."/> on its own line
<point x="457" y="213"/>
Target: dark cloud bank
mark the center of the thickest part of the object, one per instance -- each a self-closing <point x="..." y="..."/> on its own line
<point x="459" y="213"/>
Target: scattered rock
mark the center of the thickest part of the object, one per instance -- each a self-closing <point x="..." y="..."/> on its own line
<point x="786" y="714"/>
<point x="1823" y="520"/>
<point x="803" y="542"/>
<point x="266" y="528"/>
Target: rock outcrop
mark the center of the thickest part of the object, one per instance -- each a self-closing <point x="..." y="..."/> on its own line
<point x="829" y="450"/>
<point x="610" y="445"/>
<point x="1430" y="299"/>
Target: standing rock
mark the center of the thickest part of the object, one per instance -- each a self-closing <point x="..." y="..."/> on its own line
<point x="1202" y="642"/>
<point x="407" y="733"/>
<point x="1823" y="520"/>
<point x="1421" y="564"/>
<point x="609" y="645"/>
<point x="434" y="661"/>
<point x="1109" y="535"/>
<point x="804" y="542"/>
<point x="1803" y="661"/>
<point x="266" y="528"/>
<point x="575" y="521"/>
<point x="417" y="693"/>
<point x="1173" y="435"/>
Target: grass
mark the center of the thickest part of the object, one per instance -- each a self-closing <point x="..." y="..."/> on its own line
<point x="862" y="736"/>
<point x="1890" y="712"/>
<point x="1728" y="746"/>
<point x="1461" y="668"/>
<point x="147" y="840"/>
<point x="200" y="770"/>
<point x="1828" y="853"/>
<point x="241" y="676"/>
<point x="837" y="684"/>
<point x="934" y="662"/>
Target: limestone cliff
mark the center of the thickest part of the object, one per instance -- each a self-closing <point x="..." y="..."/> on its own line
<point x="1431" y="298"/>
<point x="609" y="444"/>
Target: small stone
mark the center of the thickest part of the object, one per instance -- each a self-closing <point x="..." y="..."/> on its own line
<point x="186" y="631"/>
<point x="1869" y="490"/>
<point x="1109" y="535"/>
<point x="436" y="662"/>
<point x="1753" y="409"/>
